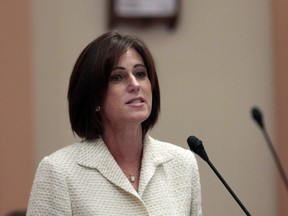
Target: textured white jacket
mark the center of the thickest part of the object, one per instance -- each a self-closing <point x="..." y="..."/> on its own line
<point x="84" y="179"/>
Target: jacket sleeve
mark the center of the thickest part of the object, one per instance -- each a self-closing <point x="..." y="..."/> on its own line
<point x="49" y="195"/>
<point x="196" y="206"/>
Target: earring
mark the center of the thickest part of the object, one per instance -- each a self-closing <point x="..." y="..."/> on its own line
<point x="97" y="109"/>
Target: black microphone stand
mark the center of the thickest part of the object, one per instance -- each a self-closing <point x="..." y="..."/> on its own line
<point x="276" y="158"/>
<point x="228" y="187"/>
<point x="257" y="116"/>
<point x="197" y="147"/>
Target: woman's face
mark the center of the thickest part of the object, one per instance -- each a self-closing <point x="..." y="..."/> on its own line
<point x="129" y="95"/>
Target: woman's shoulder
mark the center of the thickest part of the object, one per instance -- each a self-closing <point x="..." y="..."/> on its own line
<point x="177" y="156"/>
<point x="170" y="148"/>
<point x="65" y="152"/>
<point x="64" y="157"/>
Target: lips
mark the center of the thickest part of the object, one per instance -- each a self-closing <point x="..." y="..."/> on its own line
<point x="135" y="100"/>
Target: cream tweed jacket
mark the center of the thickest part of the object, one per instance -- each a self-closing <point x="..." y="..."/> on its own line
<point x="84" y="179"/>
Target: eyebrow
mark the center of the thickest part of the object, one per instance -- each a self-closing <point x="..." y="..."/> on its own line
<point x="123" y="68"/>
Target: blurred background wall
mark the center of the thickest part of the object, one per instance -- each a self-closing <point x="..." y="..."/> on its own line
<point x="223" y="58"/>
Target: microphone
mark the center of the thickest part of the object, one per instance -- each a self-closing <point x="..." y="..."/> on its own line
<point x="197" y="147"/>
<point x="257" y="116"/>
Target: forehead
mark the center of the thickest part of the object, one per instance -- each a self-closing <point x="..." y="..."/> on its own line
<point x="130" y="55"/>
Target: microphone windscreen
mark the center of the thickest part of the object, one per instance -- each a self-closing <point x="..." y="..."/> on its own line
<point x="257" y="116"/>
<point x="193" y="142"/>
<point x="197" y="147"/>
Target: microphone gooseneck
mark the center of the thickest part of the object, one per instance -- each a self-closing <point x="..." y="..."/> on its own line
<point x="197" y="147"/>
<point x="257" y="116"/>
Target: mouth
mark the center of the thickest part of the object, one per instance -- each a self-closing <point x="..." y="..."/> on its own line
<point x="136" y="100"/>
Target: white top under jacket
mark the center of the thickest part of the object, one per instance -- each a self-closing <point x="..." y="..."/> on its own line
<point x="84" y="179"/>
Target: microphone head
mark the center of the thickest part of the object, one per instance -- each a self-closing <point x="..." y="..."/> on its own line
<point x="197" y="147"/>
<point x="257" y="116"/>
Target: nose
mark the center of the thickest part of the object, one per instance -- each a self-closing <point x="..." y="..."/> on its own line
<point x="134" y="84"/>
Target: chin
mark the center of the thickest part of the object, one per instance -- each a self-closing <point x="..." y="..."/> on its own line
<point x="138" y="118"/>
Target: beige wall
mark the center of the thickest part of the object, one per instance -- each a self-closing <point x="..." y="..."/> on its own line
<point x="212" y="70"/>
<point x="16" y="109"/>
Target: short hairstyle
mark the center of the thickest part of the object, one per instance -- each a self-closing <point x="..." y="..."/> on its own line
<point x="89" y="82"/>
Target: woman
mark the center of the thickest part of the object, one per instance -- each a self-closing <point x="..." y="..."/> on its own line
<point x="118" y="169"/>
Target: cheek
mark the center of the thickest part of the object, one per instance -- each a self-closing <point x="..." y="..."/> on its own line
<point x="149" y="95"/>
<point x="110" y="107"/>
<point x="149" y="90"/>
<point x="112" y="98"/>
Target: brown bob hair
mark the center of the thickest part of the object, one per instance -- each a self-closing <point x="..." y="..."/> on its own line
<point x="89" y="82"/>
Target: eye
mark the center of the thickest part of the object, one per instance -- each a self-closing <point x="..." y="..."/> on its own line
<point x="140" y="74"/>
<point x="116" y="78"/>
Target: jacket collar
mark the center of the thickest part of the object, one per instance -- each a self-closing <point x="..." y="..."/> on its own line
<point x="95" y="155"/>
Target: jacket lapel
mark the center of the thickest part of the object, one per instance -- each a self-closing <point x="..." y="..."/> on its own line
<point x="152" y="158"/>
<point x="95" y="155"/>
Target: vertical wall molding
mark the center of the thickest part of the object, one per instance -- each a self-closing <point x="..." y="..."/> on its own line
<point x="281" y="94"/>
<point x="16" y="110"/>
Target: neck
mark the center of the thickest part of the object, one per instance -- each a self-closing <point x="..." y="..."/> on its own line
<point x="125" y="144"/>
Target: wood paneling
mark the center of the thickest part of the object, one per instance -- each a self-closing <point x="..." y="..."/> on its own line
<point x="16" y="123"/>
<point x="281" y="95"/>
